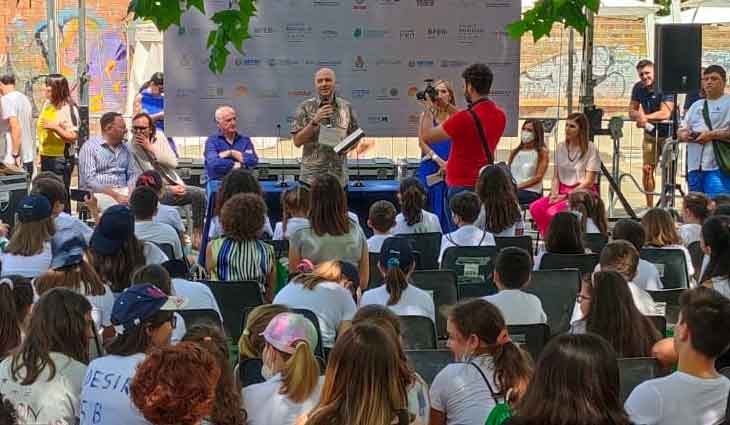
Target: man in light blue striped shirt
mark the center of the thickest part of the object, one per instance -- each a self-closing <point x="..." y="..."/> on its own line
<point x="106" y="164"/>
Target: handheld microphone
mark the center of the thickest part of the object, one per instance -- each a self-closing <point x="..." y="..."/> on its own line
<point x="282" y="177"/>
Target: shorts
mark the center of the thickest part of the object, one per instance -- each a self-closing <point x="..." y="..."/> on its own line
<point x="652" y="148"/>
<point x="711" y="183"/>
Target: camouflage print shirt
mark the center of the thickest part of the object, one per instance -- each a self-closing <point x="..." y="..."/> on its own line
<point x="320" y="159"/>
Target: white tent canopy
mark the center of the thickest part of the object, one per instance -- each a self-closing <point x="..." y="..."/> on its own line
<point x="615" y="8"/>
<point x="701" y="15"/>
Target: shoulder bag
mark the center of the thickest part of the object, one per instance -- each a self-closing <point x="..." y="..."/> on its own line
<point x="720" y="148"/>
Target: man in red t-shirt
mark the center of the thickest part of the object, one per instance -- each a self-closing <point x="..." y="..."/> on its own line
<point x="467" y="155"/>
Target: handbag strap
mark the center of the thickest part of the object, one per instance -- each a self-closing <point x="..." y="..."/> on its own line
<point x="486" y="381"/>
<point x="706" y="115"/>
<point x="482" y="137"/>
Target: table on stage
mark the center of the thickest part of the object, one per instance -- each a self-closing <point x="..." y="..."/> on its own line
<point x="360" y="195"/>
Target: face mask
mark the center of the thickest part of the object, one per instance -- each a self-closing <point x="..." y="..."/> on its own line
<point x="527" y="137"/>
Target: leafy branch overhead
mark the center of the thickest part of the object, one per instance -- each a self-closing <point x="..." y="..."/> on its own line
<point x="540" y="19"/>
<point x="231" y="25"/>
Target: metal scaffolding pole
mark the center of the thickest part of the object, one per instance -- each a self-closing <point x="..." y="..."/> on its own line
<point x="82" y="73"/>
<point x="52" y="30"/>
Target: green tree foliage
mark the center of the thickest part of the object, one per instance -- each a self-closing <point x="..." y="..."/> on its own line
<point x="540" y="19"/>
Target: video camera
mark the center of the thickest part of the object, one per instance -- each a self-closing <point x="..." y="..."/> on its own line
<point x="429" y="92"/>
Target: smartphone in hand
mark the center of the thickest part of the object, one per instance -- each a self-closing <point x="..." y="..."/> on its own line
<point x="80" y="195"/>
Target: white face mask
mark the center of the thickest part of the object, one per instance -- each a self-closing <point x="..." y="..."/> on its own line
<point x="527" y="136"/>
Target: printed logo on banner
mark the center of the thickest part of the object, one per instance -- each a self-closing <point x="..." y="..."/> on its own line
<point x="297" y="32"/>
<point x="263" y="31"/>
<point x="241" y="90"/>
<point x="299" y="93"/>
<point x="359" y="5"/>
<point x="370" y="33"/>
<point x="325" y="3"/>
<point x="388" y="94"/>
<point x="388" y="2"/>
<point x="214" y="92"/>
<point x="408" y="34"/>
<point x="329" y="34"/>
<point x="420" y="63"/>
<point x="359" y="93"/>
<point x="267" y="94"/>
<point x="450" y="63"/>
<point x="290" y="119"/>
<point x="359" y="64"/>
<point x="424" y="3"/>
<point x="388" y="62"/>
<point x="183" y="93"/>
<point x="414" y="119"/>
<point x="378" y="119"/>
<point x="327" y="63"/>
<point x="469" y="33"/>
<point x="282" y="62"/>
<point x="412" y="90"/>
<point x="191" y="32"/>
<point x="434" y="33"/>
<point x="186" y="61"/>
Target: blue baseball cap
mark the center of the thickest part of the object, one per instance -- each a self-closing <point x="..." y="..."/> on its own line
<point x="113" y="230"/>
<point x="67" y="248"/>
<point x="140" y="302"/>
<point x="34" y="208"/>
<point x="396" y="252"/>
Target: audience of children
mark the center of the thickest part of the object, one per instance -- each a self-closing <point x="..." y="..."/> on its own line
<point x="251" y="343"/>
<point x="144" y="202"/>
<point x="620" y="256"/>
<point x="591" y="211"/>
<point x="500" y="209"/>
<point x="715" y="242"/>
<point x="381" y="219"/>
<point x="511" y="274"/>
<point x="647" y="275"/>
<point x="28" y="253"/>
<point x="166" y="214"/>
<point x="396" y="264"/>
<point x="464" y="212"/>
<point x="695" y="210"/>
<point x="413" y="218"/>
<point x="661" y="232"/>
<point x="16" y="300"/>
<point x="563" y="237"/>
<point x="294" y="212"/>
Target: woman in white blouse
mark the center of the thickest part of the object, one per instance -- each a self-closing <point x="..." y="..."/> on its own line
<point x="577" y="165"/>
<point x="528" y="162"/>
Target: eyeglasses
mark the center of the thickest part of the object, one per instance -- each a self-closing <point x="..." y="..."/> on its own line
<point x="138" y="129"/>
<point x="580" y="298"/>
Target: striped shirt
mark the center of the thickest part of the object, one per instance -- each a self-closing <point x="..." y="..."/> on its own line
<point x="101" y="165"/>
<point x="244" y="260"/>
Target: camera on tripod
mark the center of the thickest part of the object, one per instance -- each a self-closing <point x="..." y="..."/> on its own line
<point x="429" y="92"/>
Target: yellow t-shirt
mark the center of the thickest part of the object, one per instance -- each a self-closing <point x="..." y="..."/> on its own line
<point x="50" y="143"/>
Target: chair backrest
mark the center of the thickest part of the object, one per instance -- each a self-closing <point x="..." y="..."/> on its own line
<point x="671" y="298"/>
<point x="428" y="363"/>
<point x="660" y="323"/>
<point x="319" y="349"/>
<point x="635" y="370"/>
<point x="586" y="263"/>
<point x="532" y="338"/>
<point x="595" y="242"/>
<point x="672" y="266"/>
<point x="419" y="333"/>
<point x="281" y="247"/>
<point x="167" y="249"/>
<point x="375" y="279"/>
<point x="557" y="290"/>
<point x="475" y="290"/>
<point x="428" y="246"/>
<point x="696" y="253"/>
<point x="524" y="242"/>
<point x="442" y="284"/>
<point x="472" y="265"/>
<point x="202" y="316"/>
<point x="232" y="298"/>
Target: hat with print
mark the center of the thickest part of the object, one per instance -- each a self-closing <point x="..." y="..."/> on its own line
<point x="285" y="330"/>
<point x="34" y="208"/>
<point x="68" y="248"/>
<point x="140" y="302"/>
<point x="114" y="228"/>
<point x="397" y="252"/>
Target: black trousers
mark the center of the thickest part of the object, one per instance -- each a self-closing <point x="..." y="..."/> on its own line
<point x="63" y="167"/>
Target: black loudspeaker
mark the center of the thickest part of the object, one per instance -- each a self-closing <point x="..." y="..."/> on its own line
<point x="678" y="49"/>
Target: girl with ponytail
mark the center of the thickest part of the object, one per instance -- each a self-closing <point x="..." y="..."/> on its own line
<point x="715" y="242"/>
<point x="492" y="369"/>
<point x="16" y="299"/>
<point x="291" y="371"/>
<point x="396" y="264"/>
<point x="413" y="218"/>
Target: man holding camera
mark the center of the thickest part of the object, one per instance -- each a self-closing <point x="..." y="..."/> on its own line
<point x="707" y="124"/>
<point x="319" y="123"/>
<point x="474" y="132"/>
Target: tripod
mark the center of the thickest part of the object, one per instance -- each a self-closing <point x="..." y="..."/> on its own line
<point x="669" y="157"/>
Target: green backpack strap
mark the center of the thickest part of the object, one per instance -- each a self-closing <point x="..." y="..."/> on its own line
<point x="499" y="414"/>
<point x="720" y="148"/>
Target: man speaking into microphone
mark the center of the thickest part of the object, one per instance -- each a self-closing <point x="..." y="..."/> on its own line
<point x="319" y="124"/>
<point x="474" y="132"/>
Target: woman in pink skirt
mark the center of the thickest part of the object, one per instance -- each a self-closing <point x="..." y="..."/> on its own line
<point x="577" y="165"/>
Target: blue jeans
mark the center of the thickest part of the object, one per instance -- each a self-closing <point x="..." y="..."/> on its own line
<point x="711" y="183"/>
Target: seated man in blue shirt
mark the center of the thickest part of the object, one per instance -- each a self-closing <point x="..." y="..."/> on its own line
<point x="227" y="149"/>
<point x="106" y="165"/>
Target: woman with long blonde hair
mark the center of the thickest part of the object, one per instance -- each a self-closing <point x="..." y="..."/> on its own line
<point x="359" y="386"/>
<point x="435" y="155"/>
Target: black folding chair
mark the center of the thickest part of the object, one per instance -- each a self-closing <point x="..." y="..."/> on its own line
<point x="167" y="249"/>
<point x="442" y="284"/>
<point x="233" y="297"/>
<point x="660" y="323"/>
<point x="524" y="242"/>
<point x="671" y="298"/>
<point x="281" y="247"/>
<point x="695" y="251"/>
<point x="532" y="337"/>
<point x="586" y="263"/>
<point x="428" y="246"/>
<point x="419" y="333"/>
<point x="557" y="290"/>
<point x="595" y="242"/>
<point x="375" y="279"/>
<point x="201" y="317"/>
<point x="672" y="266"/>
<point x="473" y="266"/>
<point x="428" y="363"/>
<point x="635" y="370"/>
